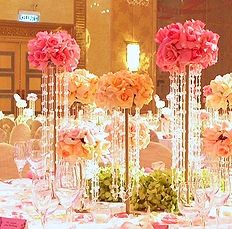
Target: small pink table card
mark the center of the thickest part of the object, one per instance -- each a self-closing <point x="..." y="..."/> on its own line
<point x="10" y="223"/>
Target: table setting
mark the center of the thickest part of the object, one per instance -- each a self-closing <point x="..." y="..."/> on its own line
<point x="85" y="162"/>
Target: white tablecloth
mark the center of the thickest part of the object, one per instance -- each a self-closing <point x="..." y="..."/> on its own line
<point x="15" y="202"/>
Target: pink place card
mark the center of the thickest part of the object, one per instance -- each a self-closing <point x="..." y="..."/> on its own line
<point x="10" y="223"/>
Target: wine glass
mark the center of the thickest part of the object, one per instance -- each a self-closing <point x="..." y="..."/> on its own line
<point x="20" y="156"/>
<point x="36" y="158"/>
<point x="69" y="184"/>
<point x="203" y="193"/>
<point x="186" y="203"/>
<point x="42" y="196"/>
<point x="222" y="181"/>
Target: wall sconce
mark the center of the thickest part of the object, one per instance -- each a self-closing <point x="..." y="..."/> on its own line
<point x="133" y="56"/>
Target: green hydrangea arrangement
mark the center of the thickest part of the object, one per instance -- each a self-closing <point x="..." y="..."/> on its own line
<point x="154" y="192"/>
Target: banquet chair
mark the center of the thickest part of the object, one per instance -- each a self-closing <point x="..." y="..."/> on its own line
<point x="21" y="132"/>
<point x="34" y="126"/>
<point x="155" y="152"/>
<point x="7" y="124"/>
<point x="38" y="133"/>
<point x="8" y="169"/>
<point x="3" y="136"/>
<point x="153" y="136"/>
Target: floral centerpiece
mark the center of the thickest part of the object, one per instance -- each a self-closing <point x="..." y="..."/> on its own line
<point x="184" y="50"/>
<point x="54" y="53"/>
<point x="119" y="92"/>
<point x="82" y="86"/>
<point x="217" y="140"/>
<point x="80" y="142"/>
<point x="124" y="89"/>
<point x="57" y="48"/>
<point x="32" y="98"/>
<point x="218" y="94"/>
<point x="184" y="44"/>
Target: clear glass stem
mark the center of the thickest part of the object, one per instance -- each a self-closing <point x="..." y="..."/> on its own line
<point x="203" y="222"/>
<point x="217" y="216"/>
<point x="21" y="174"/>
<point x="191" y="223"/>
<point x="43" y="219"/>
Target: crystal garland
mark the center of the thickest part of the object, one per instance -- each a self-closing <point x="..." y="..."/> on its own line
<point x="185" y="106"/>
<point x="54" y="107"/>
<point x="124" y="172"/>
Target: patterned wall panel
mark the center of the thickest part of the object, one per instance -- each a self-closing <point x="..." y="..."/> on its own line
<point x="80" y="28"/>
<point x="6" y="81"/>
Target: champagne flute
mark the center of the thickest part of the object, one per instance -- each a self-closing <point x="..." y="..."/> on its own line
<point x="222" y="180"/>
<point x="186" y="203"/>
<point x="42" y="196"/>
<point x="203" y="194"/>
<point x="36" y="158"/>
<point x="20" y="156"/>
<point x="69" y="185"/>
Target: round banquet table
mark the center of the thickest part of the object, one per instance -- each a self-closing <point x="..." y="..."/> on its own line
<point x="16" y="202"/>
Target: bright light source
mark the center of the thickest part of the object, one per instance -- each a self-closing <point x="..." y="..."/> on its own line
<point x="133" y="56"/>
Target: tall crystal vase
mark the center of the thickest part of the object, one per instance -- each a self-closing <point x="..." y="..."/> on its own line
<point x="185" y="104"/>
<point x="54" y="109"/>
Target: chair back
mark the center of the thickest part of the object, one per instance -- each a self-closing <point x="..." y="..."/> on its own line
<point x="21" y="132"/>
<point x="155" y="152"/>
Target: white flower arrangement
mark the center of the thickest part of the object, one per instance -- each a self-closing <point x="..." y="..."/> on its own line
<point x="21" y="103"/>
<point x="32" y="97"/>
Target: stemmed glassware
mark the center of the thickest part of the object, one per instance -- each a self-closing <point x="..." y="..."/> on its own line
<point x="20" y="156"/>
<point x="186" y="203"/>
<point x="36" y="158"/>
<point x="69" y="184"/>
<point x="42" y="196"/>
<point x="222" y="181"/>
<point x="204" y="192"/>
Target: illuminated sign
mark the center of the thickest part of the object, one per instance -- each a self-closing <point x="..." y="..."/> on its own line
<point x="28" y="16"/>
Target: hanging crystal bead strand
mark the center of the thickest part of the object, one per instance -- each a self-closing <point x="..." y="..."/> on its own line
<point x="122" y="168"/>
<point x="66" y="93"/>
<point x="182" y="111"/>
<point x="173" y="106"/>
<point x="136" y="155"/>
<point x="44" y="111"/>
<point x="51" y="113"/>
<point x="114" y="152"/>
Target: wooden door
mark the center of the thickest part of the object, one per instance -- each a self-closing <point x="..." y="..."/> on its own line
<point x="31" y="80"/>
<point x="16" y="76"/>
<point x="10" y="78"/>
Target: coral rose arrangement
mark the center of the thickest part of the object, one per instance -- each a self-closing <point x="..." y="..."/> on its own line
<point x="54" y="47"/>
<point x="184" y="44"/>
<point x="218" y="95"/>
<point x="124" y="89"/>
<point x="217" y="141"/>
<point x="82" y="86"/>
<point x="80" y="142"/>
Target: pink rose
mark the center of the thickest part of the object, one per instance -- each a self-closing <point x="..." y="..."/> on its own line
<point x="222" y="148"/>
<point x="207" y="90"/>
<point x="161" y="35"/>
<point x="58" y="58"/>
<point x="174" y="31"/>
<point x="204" y="116"/>
<point x="53" y="41"/>
<point x="167" y="56"/>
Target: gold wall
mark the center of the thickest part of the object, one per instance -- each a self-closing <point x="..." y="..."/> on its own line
<point x="52" y="11"/>
<point x="132" y="23"/>
<point x="98" y="49"/>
